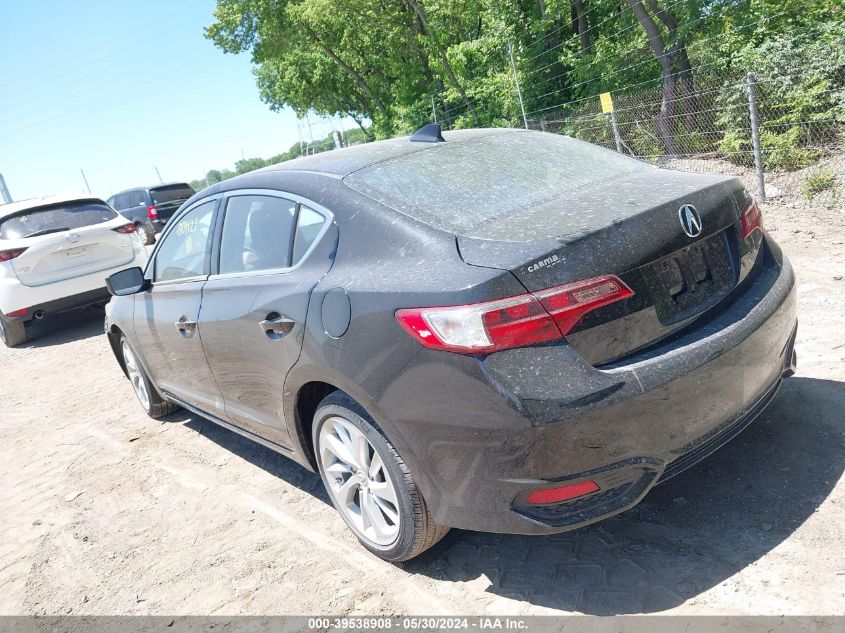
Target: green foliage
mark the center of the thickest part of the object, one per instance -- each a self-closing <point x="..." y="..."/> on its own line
<point x="800" y="92"/>
<point x="386" y="63"/>
<point x="822" y="179"/>
<point x="737" y="148"/>
<point x="784" y="152"/>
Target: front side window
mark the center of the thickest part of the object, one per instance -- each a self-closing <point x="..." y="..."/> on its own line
<point x="256" y="233"/>
<point x="182" y="253"/>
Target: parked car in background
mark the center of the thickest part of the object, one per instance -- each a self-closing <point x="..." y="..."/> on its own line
<point x="55" y="253"/>
<point x="149" y="208"/>
<point x="505" y="331"/>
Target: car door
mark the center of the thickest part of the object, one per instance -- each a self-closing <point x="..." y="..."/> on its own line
<point x="166" y="315"/>
<point x="254" y="305"/>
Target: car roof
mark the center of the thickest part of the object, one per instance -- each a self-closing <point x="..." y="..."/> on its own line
<point x="342" y="162"/>
<point x="33" y="203"/>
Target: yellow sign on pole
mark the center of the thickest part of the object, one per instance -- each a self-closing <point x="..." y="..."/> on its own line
<point x="606" y="102"/>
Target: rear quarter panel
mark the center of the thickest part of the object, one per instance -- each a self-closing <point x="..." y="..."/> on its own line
<point x="384" y="261"/>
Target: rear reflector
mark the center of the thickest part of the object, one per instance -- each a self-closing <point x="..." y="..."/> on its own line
<point x="519" y="321"/>
<point x="18" y="313"/>
<point x="556" y="495"/>
<point x="125" y="228"/>
<point x="152" y="213"/>
<point x="752" y="219"/>
<point x="10" y="254"/>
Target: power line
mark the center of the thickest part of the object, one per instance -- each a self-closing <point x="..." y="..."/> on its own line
<point x="576" y="36"/>
<point x="646" y="61"/>
<point x="581" y="68"/>
<point x="143" y="30"/>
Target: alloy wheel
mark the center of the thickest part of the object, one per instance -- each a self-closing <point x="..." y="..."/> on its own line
<point x="358" y="482"/>
<point x="135" y="376"/>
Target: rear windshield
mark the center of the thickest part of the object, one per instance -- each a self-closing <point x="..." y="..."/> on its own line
<point x="171" y="193"/>
<point x="53" y="219"/>
<point x="462" y="185"/>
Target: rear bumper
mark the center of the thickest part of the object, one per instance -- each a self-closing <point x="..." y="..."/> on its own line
<point x="61" y="295"/>
<point x="479" y="434"/>
<point x="47" y="308"/>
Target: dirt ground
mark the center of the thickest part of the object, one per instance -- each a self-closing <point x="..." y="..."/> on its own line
<point x="104" y="511"/>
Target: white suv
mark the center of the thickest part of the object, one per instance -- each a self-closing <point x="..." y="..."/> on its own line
<point x="55" y="253"/>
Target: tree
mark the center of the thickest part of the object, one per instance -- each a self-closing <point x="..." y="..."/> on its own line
<point x="670" y="50"/>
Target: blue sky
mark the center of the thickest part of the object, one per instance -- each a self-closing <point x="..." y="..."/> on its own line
<point x="119" y="88"/>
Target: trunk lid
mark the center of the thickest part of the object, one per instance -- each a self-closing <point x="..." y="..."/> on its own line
<point x="631" y="228"/>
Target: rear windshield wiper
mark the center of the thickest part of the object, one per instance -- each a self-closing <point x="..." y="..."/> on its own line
<point x="48" y="231"/>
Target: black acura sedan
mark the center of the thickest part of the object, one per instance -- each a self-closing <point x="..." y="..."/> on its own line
<point x="499" y="330"/>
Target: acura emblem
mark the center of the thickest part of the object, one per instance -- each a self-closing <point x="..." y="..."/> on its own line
<point x="690" y="220"/>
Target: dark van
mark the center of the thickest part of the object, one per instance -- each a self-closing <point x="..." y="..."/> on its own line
<point x="149" y="208"/>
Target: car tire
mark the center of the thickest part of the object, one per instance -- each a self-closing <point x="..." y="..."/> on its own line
<point x="400" y="526"/>
<point x="12" y="333"/>
<point x="149" y="397"/>
<point x="144" y="234"/>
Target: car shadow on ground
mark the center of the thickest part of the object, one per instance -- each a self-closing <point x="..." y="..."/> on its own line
<point x="256" y="454"/>
<point x="688" y="535"/>
<point x="66" y="327"/>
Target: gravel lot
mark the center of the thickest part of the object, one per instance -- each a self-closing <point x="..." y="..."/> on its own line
<point x="106" y="511"/>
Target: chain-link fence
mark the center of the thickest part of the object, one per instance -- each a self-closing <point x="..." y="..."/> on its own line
<point x="782" y="132"/>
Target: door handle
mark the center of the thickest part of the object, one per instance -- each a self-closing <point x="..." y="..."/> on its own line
<point x="275" y="326"/>
<point x="186" y="328"/>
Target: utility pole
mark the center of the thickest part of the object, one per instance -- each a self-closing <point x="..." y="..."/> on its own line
<point x="310" y="133"/>
<point x="4" y="191"/>
<point x="87" y="186"/>
<point x="433" y="109"/>
<point x="516" y="82"/>
<point x="158" y="174"/>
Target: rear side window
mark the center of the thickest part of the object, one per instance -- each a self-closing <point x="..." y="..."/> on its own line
<point x="257" y="233"/>
<point x="133" y="198"/>
<point x="460" y="186"/>
<point x="54" y="219"/>
<point x="171" y="193"/>
<point x="308" y="226"/>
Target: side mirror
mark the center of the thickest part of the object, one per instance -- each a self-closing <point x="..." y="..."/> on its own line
<point x="127" y="282"/>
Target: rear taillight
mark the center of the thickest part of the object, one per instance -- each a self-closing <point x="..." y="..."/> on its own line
<point x="567" y="304"/>
<point x="18" y="313"/>
<point x="519" y="321"/>
<point x="752" y="218"/>
<point x="10" y="254"/>
<point x="125" y="228"/>
<point x="152" y="213"/>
